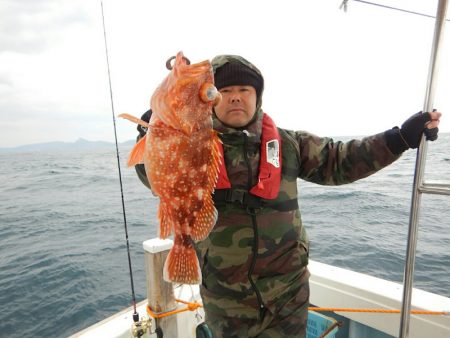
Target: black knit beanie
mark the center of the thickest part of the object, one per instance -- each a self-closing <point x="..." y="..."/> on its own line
<point x="236" y="73"/>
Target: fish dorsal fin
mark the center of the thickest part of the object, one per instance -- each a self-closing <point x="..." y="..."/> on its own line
<point x="137" y="153"/>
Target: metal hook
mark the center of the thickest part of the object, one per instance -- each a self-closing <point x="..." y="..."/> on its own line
<point x="169" y="65"/>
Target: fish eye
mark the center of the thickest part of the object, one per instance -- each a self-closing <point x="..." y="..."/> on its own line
<point x="208" y="93"/>
<point x="211" y="93"/>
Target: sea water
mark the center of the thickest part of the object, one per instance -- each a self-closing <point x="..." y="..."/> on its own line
<point x="63" y="253"/>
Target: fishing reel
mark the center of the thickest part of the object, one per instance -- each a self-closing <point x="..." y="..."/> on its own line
<point x="141" y="327"/>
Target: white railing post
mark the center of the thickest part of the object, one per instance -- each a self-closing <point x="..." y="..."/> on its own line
<point x="160" y="294"/>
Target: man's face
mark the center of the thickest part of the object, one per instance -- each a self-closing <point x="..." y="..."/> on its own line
<point x="238" y="105"/>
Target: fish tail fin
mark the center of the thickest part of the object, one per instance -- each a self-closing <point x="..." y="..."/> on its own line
<point x="205" y="220"/>
<point x="137" y="153"/>
<point x="165" y="227"/>
<point x="182" y="264"/>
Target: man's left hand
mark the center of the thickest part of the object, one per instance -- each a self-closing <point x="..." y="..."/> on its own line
<point x="431" y="130"/>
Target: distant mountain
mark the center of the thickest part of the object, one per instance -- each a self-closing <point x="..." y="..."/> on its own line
<point x="79" y="144"/>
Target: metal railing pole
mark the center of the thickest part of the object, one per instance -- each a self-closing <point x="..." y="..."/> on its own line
<point x="418" y="175"/>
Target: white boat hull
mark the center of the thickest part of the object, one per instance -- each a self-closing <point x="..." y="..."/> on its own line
<point x="330" y="287"/>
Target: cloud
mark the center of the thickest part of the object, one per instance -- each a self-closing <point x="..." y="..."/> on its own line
<point x="31" y="26"/>
<point x="5" y="80"/>
<point x="51" y="63"/>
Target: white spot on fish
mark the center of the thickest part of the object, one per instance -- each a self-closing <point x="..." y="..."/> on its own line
<point x="200" y="194"/>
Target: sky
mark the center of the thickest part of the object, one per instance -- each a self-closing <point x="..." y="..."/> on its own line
<point x="330" y="72"/>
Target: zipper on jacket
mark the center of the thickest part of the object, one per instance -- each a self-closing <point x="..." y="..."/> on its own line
<point x="255" y="232"/>
<point x="252" y="267"/>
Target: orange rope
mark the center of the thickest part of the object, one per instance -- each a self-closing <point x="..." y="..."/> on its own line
<point x="191" y="306"/>
<point x="344" y="309"/>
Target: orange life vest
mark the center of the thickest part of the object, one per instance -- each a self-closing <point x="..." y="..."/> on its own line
<point x="269" y="177"/>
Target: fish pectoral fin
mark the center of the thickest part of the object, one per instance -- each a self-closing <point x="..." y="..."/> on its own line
<point x="182" y="264"/>
<point x="205" y="220"/>
<point x="137" y="153"/>
<point x="133" y="119"/>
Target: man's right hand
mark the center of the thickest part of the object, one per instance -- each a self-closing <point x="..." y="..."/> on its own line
<point x="145" y="117"/>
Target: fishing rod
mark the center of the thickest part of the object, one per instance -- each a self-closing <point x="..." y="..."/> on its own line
<point x="138" y="328"/>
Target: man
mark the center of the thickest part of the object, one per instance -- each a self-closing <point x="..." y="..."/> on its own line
<point x="254" y="262"/>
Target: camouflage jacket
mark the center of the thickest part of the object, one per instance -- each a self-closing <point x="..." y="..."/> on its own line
<point x="255" y="258"/>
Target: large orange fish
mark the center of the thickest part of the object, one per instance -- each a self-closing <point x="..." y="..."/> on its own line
<point x="181" y="157"/>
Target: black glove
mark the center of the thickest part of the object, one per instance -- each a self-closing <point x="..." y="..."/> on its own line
<point x="431" y="134"/>
<point x="413" y="127"/>
<point x="410" y="134"/>
<point x="146" y="117"/>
